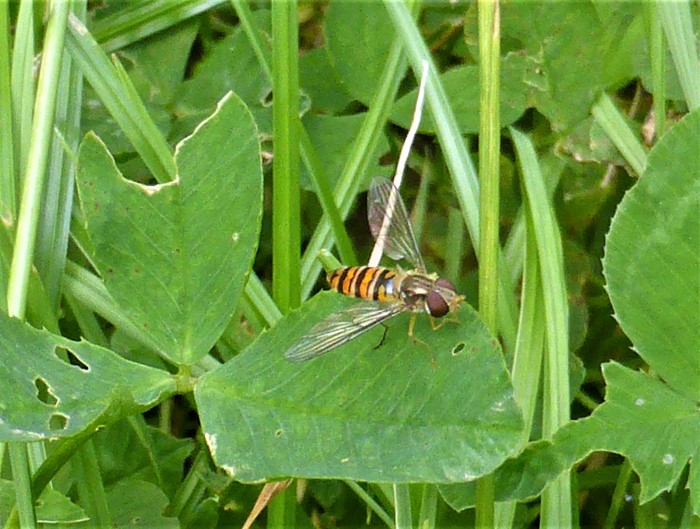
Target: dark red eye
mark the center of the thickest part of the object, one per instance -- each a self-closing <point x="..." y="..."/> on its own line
<point x="445" y="283"/>
<point x="437" y="306"/>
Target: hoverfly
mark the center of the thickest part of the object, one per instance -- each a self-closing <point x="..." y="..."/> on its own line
<point x="385" y="292"/>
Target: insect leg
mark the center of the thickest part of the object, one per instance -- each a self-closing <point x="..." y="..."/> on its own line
<point x="381" y="342"/>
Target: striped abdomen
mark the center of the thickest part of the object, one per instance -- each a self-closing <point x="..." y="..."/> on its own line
<point x="367" y="282"/>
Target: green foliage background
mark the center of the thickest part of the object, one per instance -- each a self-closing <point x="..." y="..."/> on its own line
<point x="151" y="258"/>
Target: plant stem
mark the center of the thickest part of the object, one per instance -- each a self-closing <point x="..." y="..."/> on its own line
<point x="489" y="154"/>
<point x="286" y="243"/>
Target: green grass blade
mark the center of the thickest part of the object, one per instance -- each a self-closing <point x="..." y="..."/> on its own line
<point x="21" y="473"/>
<point x="8" y="202"/>
<point x="428" y="507"/>
<point x="657" y="57"/>
<point x="613" y="123"/>
<point x="489" y="161"/>
<point x="23" y="84"/>
<point x="556" y="500"/>
<point x="286" y="243"/>
<point x="257" y="295"/>
<point x="286" y="236"/>
<point x="33" y="181"/>
<point x="677" y="21"/>
<point x="90" y="486"/>
<point x="54" y="230"/>
<point x="140" y="19"/>
<point x="371" y="503"/>
<point x="112" y="86"/>
<point x="402" y="506"/>
<point x="245" y="16"/>
<point x="489" y="202"/>
<point x="527" y="361"/>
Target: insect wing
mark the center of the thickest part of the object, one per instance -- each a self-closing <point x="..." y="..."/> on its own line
<point x="339" y="328"/>
<point x="399" y="242"/>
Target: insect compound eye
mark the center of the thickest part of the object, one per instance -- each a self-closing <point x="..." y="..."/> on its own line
<point x="445" y="283"/>
<point x="437" y="306"/>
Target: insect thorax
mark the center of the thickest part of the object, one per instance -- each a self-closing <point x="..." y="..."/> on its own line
<point x="413" y="288"/>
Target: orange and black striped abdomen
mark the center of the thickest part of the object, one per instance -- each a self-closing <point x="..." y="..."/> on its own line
<point x="366" y="282"/>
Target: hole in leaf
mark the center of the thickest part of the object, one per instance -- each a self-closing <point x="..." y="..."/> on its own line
<point x="58" y="421"/>
<point x="458" y="348"/>
<point x="44" y="393"/>
<point x="266" y="100"/>
<point x="71" y="358"/>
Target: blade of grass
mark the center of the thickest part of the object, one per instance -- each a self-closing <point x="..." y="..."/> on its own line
<point x="39" y="311"/>
<point x="185" y="497"/>
<point x="245" y="17"/>
<point x="8" y="200"/>
<point x="51" y="256"/>
<point x="489" y="201"/>
<point x="23" y="84"/>
<point x="261" y="300"/>
<point x="529" y="349"/>
<point x="140" y="19"/>
<point x="402" y="506"/>
<point x="556" y="499"/>
<point x="657" y="57"/>
<point x="428" y="507"/>
<point x="286" y="231"/>
<point x="87" y="322"/>
<point x="420" y="204"/>
<point x="325" y="196"/>
<point x="90" y="487"/>
<point x="455" y="244"/>
<point x="618" y="496"/>
<point x="613" y="123"/>
<point x="677" y="21"/>
<point x="54" y="229"/>
<point x="489" y="158"/>
<point x="113" y="87"/>
<point x="515" y="244"/>
<point x="286" y="243"/>
<point x="21" y="472"/>
<point x="371" y="503"/>
<point x="34" y="177"/>
<point x="527" y="361"/>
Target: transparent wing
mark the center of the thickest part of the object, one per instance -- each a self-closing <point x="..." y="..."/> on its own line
<point x="341" y="327"/>
<point x="399" y="241"/>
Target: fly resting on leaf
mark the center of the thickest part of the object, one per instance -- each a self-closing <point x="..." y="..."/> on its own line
<point x="385" y="292"/>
